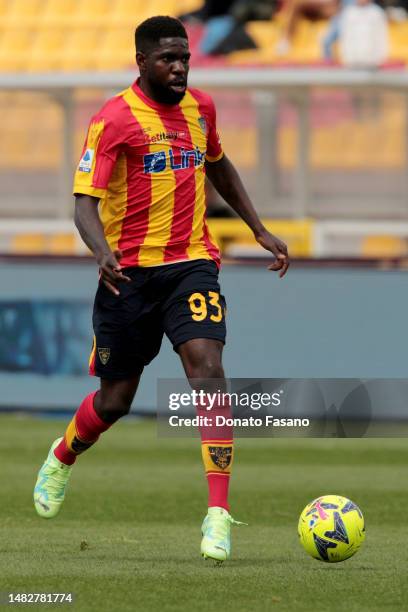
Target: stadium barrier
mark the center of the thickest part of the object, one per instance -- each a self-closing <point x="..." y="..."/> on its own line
<point x="305" y="238"/>
<point x="278" y="189"/>
<point x="324" y="323"/>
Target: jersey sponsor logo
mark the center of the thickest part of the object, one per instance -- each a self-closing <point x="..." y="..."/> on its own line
<point x="154" y="162"/>
<point x="159" y="161"/>
<point x="164" y="136"/>
<point x="85" y="164"/>
<point x="104" y="354"/>
<point x="221" y="455"/>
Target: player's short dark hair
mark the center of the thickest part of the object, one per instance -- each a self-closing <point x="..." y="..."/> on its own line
<point x="150" y="31"/>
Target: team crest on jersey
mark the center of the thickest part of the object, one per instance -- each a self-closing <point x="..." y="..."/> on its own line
<point x="221" y="455"/>
<point x="104" y="354"/>
<point x="85" y="165"/>
<point x="94" y="133"/>
<point x="203" y="125"/>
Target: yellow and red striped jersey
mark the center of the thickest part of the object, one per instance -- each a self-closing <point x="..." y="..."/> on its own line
<point x="145" y="161"/>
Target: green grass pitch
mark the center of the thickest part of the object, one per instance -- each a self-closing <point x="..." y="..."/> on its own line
<point x="128" y="536"/>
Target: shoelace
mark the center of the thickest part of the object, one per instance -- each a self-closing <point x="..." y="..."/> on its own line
<point x="57" y="477"/>
<point x="234" y="522"/>
<point x="219" y="525"/>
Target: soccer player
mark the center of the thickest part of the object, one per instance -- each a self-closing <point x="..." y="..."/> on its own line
<point x="140" y="207"/>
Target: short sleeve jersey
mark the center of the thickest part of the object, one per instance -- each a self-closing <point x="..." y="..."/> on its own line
<point x="145" y="162"/>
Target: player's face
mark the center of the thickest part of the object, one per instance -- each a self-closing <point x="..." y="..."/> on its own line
<point x="166" y="69"/>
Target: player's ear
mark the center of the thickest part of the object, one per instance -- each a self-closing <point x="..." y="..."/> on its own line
<point x="141" y="61"/>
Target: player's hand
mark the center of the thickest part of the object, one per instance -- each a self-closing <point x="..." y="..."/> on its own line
<point x="110" y="270"/>
<point x="273" y="244"/>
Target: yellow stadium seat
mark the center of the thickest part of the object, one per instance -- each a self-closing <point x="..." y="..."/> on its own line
<point x="304" y="49"/>
<point x="31" y="132"/>
<point x="4" y="5"/>
<point x="162" y="7"/>
<point x="28" y="244"/>
<point x="61" y="244"/>
<point x="15" y="45"/>
<point x="306" y="43"/>
<point x="23" y="12"/>
<point x="116" y="50"/>
<point x="264" y="33"/>
<point x="399" y="41"/>
<point x="125" y="12"/>
<point x="58" y="12"/>
<point x="384" y="246"/>
<point x="56" y="244"/>
<point x="131" y="12"/>
<point x="81" y="49"/>
<point x="94" y="12"/>
<point x="297" y="234"/>
<point x="187" y="6"/>
<point x="47" y="49"/>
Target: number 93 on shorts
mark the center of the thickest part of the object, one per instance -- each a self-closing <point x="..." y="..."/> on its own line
<point x="182" y="300"/>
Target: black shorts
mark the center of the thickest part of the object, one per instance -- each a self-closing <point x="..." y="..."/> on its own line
<point x="181" y="300"/>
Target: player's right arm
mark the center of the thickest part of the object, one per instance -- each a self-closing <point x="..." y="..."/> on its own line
<point x="102" y="145"/>
<point x="91" y="230"/>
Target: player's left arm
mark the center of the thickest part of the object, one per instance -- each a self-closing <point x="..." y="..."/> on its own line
<point x="227" y="182"/>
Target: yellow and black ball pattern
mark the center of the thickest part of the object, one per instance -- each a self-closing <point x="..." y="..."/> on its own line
<point x="331" y="528"/>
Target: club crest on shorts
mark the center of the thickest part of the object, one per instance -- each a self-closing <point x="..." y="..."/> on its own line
<point x="104" y="354"/>
<point x="221" y="455"/>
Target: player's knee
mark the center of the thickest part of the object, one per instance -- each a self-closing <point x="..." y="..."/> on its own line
<point x="112" y="409"/>
<point x="206" y="368"/>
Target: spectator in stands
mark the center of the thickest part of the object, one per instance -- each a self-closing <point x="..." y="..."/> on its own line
<point x="225" y="21"/>
<point x="397" y="10"/>
<point x="363" y="41"/>
<point x="295" y="10"/>
<point x="210" y="9"/>
<point x="333" y="31"/>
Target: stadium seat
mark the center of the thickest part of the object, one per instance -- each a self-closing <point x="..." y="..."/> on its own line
<point x="28" y="244"/>
<point x="399" y="40"/>
<point x="306" y="47"/>
<point x="384" y="246"/>
<point x="125" y="12"/>
<point x="121" y="39"/>
<point x="163" y="7"/>
<point x="95" y="12"/>
<point x="61" y="244"/>
<point x="47" y="49"/>
<point x="15" y="43"/>
<point x="186" y="6"/>
<point x="3" y="10"/>
<point x="58" y="12"/>
<point x="21" y="13"/>
<point x="81" y="49"/>
<point x="264" y="33"/>
<point x="53" y="244"/>
<point x="34" y="48"/>
<point x="297" y="234"/>
<point x="304" y="50"/>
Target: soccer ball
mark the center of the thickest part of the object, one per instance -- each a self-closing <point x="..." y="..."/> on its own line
<point x="331" y="528"/>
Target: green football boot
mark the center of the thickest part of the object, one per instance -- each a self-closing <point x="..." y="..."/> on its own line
<point x="49" y="491"/>
<point x="216" y="531"/>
